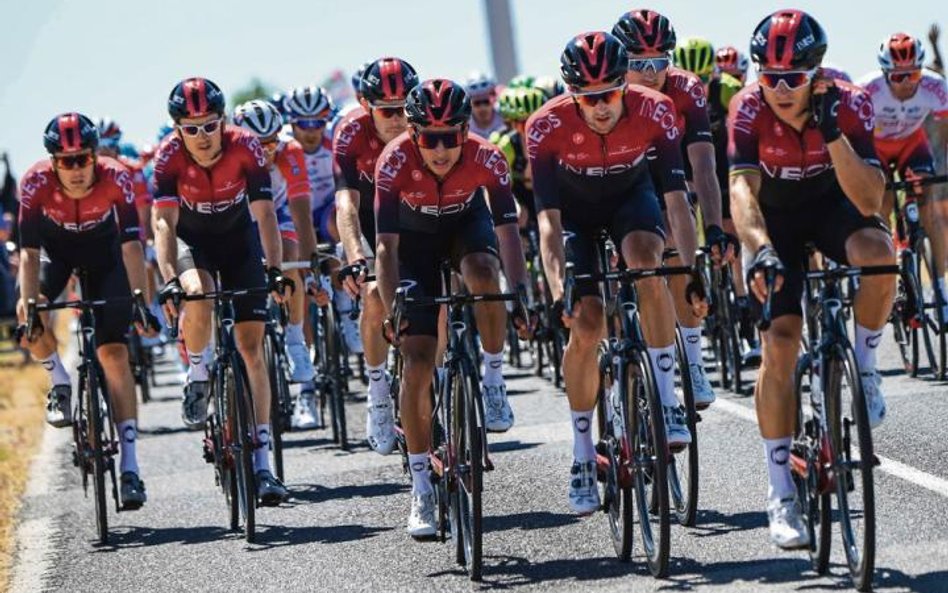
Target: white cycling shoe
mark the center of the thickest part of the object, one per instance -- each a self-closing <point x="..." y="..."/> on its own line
<point x="787" y="529"/>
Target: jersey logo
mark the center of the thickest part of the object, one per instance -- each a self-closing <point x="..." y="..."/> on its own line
<point x="540" y="129"/>
<point x="747" y="111"/>
<point x="795" y="173"/>
<point x="494" y="162"/>
<point x="661" y="113"/>
<point x="389" y="168"/>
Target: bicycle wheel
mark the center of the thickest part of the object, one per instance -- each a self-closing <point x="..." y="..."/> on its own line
<point x="470" y="457"/>
<point x="853" y="462"/>
<point x="683" y="467"/>
<point x="735" y="359"/>
<point x="643" y="411"/>
<point x="95" y="442"/>
<point x="279" y="394"/>
<point x="556" y="355"/>
<point x="221" y="430"/>
<point x="901" y="330"/>
<point x="805" y="468"/>
<point x="334" y="381"/>
<point x="615" y="485"/>
<point x="935" y="320"/>
<point x="243" y="446"/>
<point x="920" y="334"/>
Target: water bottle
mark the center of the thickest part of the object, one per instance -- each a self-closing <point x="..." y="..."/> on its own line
<point x="911" y="212"/>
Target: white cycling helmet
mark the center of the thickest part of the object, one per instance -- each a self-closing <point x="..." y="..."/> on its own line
<point x="479" y="84"/>
<point x="261" y="118"/>
<point x="307" y="102"/>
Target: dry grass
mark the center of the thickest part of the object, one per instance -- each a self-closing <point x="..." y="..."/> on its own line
<point x="22" y="421"/>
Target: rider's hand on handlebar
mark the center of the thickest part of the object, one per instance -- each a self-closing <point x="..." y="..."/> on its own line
<point x="697" y="295"/>
<point x="388" y="330"/>
<point x="279" y="285"/>
<point x="724" y="246"/>
<point x="169" y="296"/>
<point x="765" y="259"/>
<point x="353" y="276"/>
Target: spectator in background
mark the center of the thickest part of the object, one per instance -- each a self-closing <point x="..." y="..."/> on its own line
<point x="9" y="210"/>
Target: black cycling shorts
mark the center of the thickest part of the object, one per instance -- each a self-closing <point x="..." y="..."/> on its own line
<point x="420" y="256"/>
<point x="239" y="259"/>
<point x="639" y="211"/>
<point x="100" y="282"/>
<point x="827" y="221"/>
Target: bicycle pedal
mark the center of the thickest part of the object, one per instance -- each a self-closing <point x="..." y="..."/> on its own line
<point x="876" y="462"/>
<point x="697" y="417"/>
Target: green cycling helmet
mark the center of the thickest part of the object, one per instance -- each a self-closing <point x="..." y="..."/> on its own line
<point x="517" y="104"/>
<point x="521" y="81"/>
<point x="695" y="55"/>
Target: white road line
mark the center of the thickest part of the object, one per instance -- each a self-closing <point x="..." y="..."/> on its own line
<point x="890" y="466"/>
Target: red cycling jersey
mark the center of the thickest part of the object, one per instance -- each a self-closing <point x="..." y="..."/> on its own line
<point x="795" y="166"/>
<point x="136" y="169"/>
<point x="356" y="147"/>
<point x="691" y="102"/>
<point x="570" y="162"/>
<point x="51" y="219"/>
<point x="213" y="201"/>
<point x="409" y="197"/>
<point x="292" y="183"/>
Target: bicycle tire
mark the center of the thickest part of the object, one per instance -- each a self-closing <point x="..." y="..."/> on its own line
<point x="685" y="499"/>
<point x="221" y="430"/>
<point x="615" y="491"/>
<point x="643" y="409"/>
<point x="920" y="335"/>
<point x="335" y="395"/>
<point x="861" y="562"/>
<point x="96" y="433"/>
<point x="936" y="322"/>
<point x="243" y="462"/>
<point x="816" y="504"/>
<point x="279" y="389"/>
<point x="470" y="451"/>
<point x="901" y="330"/>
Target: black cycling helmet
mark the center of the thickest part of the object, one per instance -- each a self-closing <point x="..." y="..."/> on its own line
<point x="592" y="58"/>
<point x="643" y="30"/>
<point x="195" y="97"/>
<point x="70" y="132"/>
<point x="788" y="40"/>
<point x="438" y="102"/>
<point x="387" y="79"/>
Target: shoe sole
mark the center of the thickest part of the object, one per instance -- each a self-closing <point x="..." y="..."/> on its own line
<point x="792" y="547"/>
<point x="132" y="505"/>
<point x="59" y="424"/>
<point x="271" y="500"/>
<point x="424" y="537"/>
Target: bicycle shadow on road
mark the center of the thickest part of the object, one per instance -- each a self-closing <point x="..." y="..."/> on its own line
<point x="508" y="446"/>
<point x="529" y="521"/>
<point x="508" y="572"/>
<point x="278" y="536"/>
<point x="314" y="493"/>
<point x="710" y="523"/>
<point x="138" y="537"/>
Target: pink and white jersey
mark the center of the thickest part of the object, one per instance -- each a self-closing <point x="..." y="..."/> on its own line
<point x="896" y="119"/>
<point x="319" y="170"/>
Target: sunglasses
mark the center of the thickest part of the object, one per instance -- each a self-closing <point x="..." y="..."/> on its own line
<point x="654" y="64"/>
<point x="593" y="98"/>
<point x="270" y="144"/>
<point x="897" y="77"/>
<point x="206" y="128"/>
<point x="792" y="80"/>
<point x="482" y="103"/>
<point x="310" y="123"/>
<point x="431" y="139"/>
<point x="390" y="111"/>
<point x="74" y="161"/>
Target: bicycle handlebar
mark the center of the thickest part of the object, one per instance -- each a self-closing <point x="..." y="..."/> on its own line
<point x="904" y="185"/>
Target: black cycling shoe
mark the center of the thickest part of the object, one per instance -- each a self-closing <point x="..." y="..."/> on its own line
<point x="59" y="406"/>
<point x="132" y="492"/>
<point x="270" y="491"/>
<point x="194" y="404"/>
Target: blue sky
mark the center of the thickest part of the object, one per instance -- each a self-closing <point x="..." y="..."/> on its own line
<point x="121" y="58"/>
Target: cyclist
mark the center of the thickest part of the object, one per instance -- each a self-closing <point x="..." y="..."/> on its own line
<point x="430" y="204"/>
<point x="482" y="90"/>
<point x="210" y="177"/>
<point x="803" y="169"/>
<point x="79" y="209"/>
<point x="516" y="105"/>
<point x="551" y="86"/>
<point x="903" y="95"/>
<point x="290" y="187"/>
<point x="649" y="38"/>
<point x="696" y="55"/>
<point x="587" y="150"/>
<point x="358" y="141"/>
<point x="728" y="60"/>
<point x="110" y="137"/>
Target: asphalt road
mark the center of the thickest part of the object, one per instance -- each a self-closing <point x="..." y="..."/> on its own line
<point x="344" y="528"/>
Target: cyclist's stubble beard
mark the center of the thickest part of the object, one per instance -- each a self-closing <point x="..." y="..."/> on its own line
<point x="389" y="128"/>
<point x="791" y="107"/>
<point x="603" y="117"/>
<point x="440" y="160"/>
<point x="903" y="91"/>
<point x="77" y="183"/>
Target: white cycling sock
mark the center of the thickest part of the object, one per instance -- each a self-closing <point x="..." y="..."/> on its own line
<point x="379" y="391"/>
<point x="941" y="287"/>
<point x="420" y="473"/>
<point x="261" y="454"/>
<point x="778" y="469"/>
<point x="494" y="368"/>
<point x="197" y="365"/>
<point x="57" y="372"/>
<point x="692" y="338"/>
<point x="663" y="365"/>
<point x="294" y="333"/>
<point x="583" y="448"/>
<point x="867" y="341"/>
<point x="128" y="435"/>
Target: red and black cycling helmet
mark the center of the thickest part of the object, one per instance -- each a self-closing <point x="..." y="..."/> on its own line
<point x="70" y="132"/>
<point x="592" y="58"/>
<point x="195" y="97"/>
<point x="438" y="102"/>
<point x="387" y="80"/>
<point x="643" y="30"/>
<point x="901" y="52"/>
<point x="788" y="40"/>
